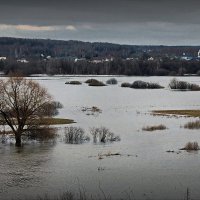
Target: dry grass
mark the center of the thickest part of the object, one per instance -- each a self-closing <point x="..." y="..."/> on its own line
<point x="47" y="121"/>
<point x="192" y="125"/>
<point x="191" y="146"/>
<point x="154" y="128"/>
<point x="188" y="113"/>
<point x="55" y="121"/>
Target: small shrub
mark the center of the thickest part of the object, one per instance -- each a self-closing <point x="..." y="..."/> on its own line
<point x="74" y="83"/>
<point x="112" y="81"/>
<point x="193" y="125"/>
<point x="125" y="85"/>
<point x="103" y="135"/>
<point x="96" y="83"/>
<point x="145" y="85"/>
<point x="57" y="104"/>
<point x="90" y="80"/>
<point x="191" y="146"/>
<point x="52" y="109"/>
<point x="75" y="135"/>
<point x="3" y="138"/>
<point x="182" y="85"/>
<point x="154" y="128"/>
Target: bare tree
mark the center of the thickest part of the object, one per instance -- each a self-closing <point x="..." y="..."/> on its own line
<point x="23" y="103"/>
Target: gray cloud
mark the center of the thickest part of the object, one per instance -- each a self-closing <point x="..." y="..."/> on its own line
<point x="122" y="21"/>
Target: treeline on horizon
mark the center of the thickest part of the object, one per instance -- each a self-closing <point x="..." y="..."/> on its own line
<point x="166" y="59"/>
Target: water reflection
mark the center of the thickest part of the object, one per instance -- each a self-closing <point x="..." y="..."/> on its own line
<point x="24" y="167"/>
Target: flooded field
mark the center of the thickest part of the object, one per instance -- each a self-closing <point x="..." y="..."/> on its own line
<point x="143" y="169"/>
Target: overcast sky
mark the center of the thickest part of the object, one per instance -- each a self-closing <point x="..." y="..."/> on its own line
<point x="170" y="22"/>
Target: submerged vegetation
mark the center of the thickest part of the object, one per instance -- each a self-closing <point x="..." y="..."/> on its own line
<point x="145" y="85"/>
<point x="75" y="135"/>
<point x="142" y="85"/>
<point x="91" y="111"/>
<point x="191" y="146"/>
<point x="94" y="82"/>
<point x="126" y="85"/>
<point x="154" y="128"/>
<point x="111" y="81"/>
<point x="42" y="134"/>
<point x="183" y="85"/>
<point x="193" y="125"/>
<point x="74" y="83"/>
<point x="103" y="135"/>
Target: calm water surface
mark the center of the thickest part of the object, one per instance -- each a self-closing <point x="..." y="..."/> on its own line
<point x="148" y="173"/>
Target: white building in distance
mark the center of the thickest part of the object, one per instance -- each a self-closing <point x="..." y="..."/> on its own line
<point x="3" y="58"/>
<point x="198" y="54"/>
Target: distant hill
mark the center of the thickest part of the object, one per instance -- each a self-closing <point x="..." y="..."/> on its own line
<point x="39" y="56"/>
<point x="33" y="48"/>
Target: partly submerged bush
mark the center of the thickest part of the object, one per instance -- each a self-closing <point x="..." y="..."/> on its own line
<point x="145" y="85"/>
<point x="193" y="125"/>
<point x="75" y="135"/>
<point x="41" y="134"/>
<point x="125" y="85"/>
<point x="57" y="104"/>
<point x="103" y="135"/>
<point x="90" y="80"/>
<point x="94" y="82"/>
<point x="52" y="109"/>
<point x="191" y="146"/>
<point x="74" y="83"/>
<point x="112" y="81"/>
<point x="183" y="85"/>
<point x="154" y="128"/>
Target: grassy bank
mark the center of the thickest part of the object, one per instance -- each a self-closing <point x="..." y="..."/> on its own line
<point x="48" y="121"/>
<point x="55" y="121"/>
<point x="187" y="113"/>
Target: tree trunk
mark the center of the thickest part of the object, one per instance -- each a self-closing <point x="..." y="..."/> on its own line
<point x="18" y="142"/>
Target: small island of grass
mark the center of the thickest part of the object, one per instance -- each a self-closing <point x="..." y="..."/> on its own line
<point x="187" y="113"/>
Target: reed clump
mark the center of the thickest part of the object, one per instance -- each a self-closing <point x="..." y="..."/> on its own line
<point x="191" y="146"/>
<point x="154" y="128"/>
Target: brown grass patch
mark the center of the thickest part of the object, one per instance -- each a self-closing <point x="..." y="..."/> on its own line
<point x="187" y="113"/>
<point x="55" y="121"/>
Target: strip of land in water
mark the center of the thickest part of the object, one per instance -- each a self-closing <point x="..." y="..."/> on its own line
<point x="187" y="113"/>
<point x="56" y="121"/>
<point x="50" y="121"/>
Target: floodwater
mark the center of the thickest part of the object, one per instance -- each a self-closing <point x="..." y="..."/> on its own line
<point x="144" y="170"/>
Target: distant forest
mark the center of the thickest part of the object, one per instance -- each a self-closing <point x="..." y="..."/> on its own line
<point x="38" y="56"/>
